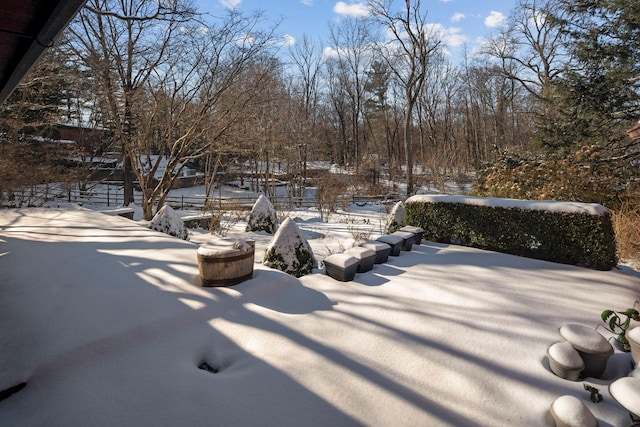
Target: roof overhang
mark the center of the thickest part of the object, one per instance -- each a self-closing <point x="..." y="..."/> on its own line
<point x="27" y="29"/>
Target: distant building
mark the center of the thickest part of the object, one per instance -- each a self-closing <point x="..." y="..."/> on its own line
<point x="89" y="140"/>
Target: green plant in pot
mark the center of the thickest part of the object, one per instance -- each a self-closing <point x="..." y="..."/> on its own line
<point x="617" y="322"/>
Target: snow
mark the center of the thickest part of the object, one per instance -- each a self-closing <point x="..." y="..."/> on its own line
<point x="633" y="334"/>
<point x="343" y="261"/>
<point x="566" y="355"/>
<point x="105" y="321"/>
<point x="392" y="239"/>
<point x="627" y="392"/>
<point x="168" y="221"/>
<point x="573" y="413"/>
<point x="223" y="246"/>
<point x="545" y="205"/>
<point x="361" y="252"/>
<point x="585" y="339"/>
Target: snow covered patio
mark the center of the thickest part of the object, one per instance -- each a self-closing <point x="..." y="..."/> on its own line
<point x="106" y="322"/>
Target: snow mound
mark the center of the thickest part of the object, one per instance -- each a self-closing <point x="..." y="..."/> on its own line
<point x="289" y="251"/>
<point x="169" y="222"/>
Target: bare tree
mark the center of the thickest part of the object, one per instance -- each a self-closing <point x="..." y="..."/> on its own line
<point x="351" y="40"/>
<point x="530" y="51"/>
<point x="123" y="43"/>
<point x="408" y="55"/>
<point x="163" y="74"/>
<point x="439" y="149"/>
<point x="305" y="89"/>
<point x="381" y="120"/>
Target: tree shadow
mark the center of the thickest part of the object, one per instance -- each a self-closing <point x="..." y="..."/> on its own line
<point x="103" y="326"/>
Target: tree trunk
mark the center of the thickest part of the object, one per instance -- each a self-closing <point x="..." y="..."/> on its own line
<point x="408" y="150"/>
<point x="129" y="178"/>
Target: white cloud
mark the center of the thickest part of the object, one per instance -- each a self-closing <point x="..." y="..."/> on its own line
<point x="450" y="36"/>
<point x="245" y="38"/>
<point x="288" y="40"/>
<point x="479" y="46"/>
<point x="307" y="2"/>
<point x="495" y="19"/>
<point x="230" y="4"/>
<point x="356" y="10"/>
<point x="329" y="52"/>
<point x="457" y="17"/>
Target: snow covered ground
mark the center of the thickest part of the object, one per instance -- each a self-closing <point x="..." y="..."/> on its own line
<point x="106" y="323"/>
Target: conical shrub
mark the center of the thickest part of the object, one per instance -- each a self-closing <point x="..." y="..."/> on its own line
<point x="263" y="216"/>
<point x="289" y="251"/>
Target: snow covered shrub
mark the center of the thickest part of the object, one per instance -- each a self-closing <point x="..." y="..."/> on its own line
<point x="568" y="233"/>
<point x="289" y="251"/>
<point x="169" y="222"/>
<point x="396" y="219"/>
<point x="263" y="216"/>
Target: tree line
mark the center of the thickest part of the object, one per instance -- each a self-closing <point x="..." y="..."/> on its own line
<point x="172" y="86"/>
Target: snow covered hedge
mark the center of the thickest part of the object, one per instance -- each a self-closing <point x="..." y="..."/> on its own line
<point x="564" y="232"/>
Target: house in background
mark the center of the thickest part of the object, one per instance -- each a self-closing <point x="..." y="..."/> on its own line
<point x="89" y="141"/>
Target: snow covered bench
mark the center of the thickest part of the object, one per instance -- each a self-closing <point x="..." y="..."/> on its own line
<point x="342" y="267"/>
<point x="395" y="242"/>
<point x="417" y="231"/>
<point x="408" y="239"/>
<point x="366" y="257"/>
<point x="382" y="250"/>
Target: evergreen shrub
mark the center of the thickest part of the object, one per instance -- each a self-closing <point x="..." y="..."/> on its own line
<point x="577" y="238"/>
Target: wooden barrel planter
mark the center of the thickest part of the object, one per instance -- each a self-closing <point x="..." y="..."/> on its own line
<point x="226" y="262"/>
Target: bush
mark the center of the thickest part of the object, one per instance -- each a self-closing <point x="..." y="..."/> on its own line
<point x="585" y="176"/>
<point x="167" y="221"/>
<point x="263" y="216"/>
<point x="582" y="239"/>
<point x="330" y="189"/>
<point x="626" y="223"/>
<point x="289" y="251"/>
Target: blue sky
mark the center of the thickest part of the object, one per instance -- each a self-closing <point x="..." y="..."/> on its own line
<point x="459" y="22"/>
